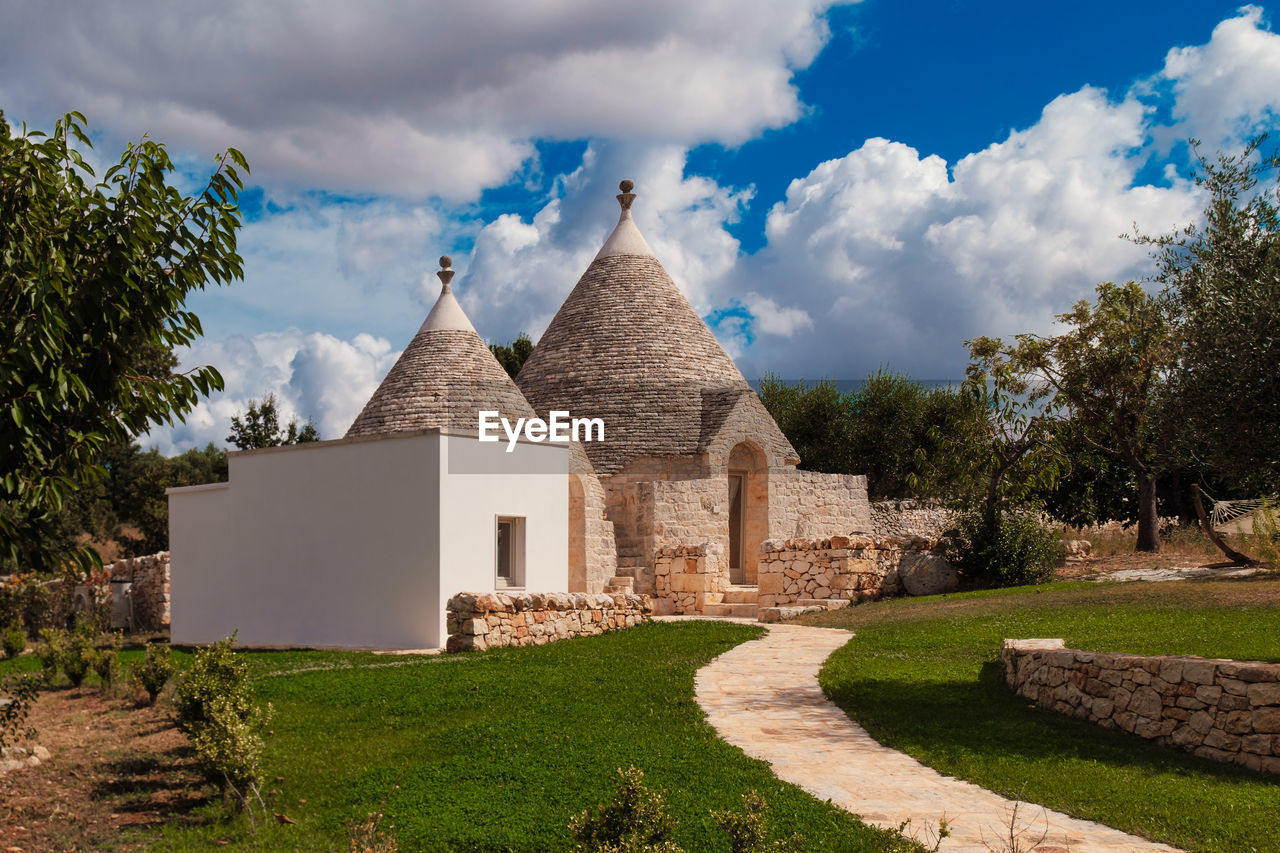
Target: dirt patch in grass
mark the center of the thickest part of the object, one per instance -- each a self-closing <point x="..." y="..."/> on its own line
<point x="1091" y="567"/>
<point x="114" y="768"/>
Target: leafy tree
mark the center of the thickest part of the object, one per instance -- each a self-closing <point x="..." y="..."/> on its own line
<point x="997" y="462"/>
<point x="93" y="283"/>
<point x="815" y="419"/>
<point x="512" y="356"/>
<point x="1093" y="487"/>
<point x="891" y="418"/>
<point x="138" y="483"/>
<point x="1223" y="281"/>
<point x="260" y="427"/>
<point x="875" y="431"/>
<point x="1107" y="371"/>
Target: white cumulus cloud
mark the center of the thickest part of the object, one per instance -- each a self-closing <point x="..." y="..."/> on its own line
<point x="314" y="377"/>
<point x="409" y="99"/>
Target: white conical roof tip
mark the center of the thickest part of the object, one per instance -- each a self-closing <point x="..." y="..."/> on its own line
<point x="626" y="238"/>
<point x="446" y="313"/>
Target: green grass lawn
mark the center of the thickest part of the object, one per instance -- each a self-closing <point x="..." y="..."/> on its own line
<point x="497" y="750"/>
<point x="922" y="676"/>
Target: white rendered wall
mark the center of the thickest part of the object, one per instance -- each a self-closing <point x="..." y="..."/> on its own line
<point x="479" y="485"/>
<point x="359" y="543"/>
<point x="201" y="550"/>
<point x="331" y="544"/>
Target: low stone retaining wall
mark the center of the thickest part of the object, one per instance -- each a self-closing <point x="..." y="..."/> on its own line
<point x="150" y="591"/>
<point x="1219" y="709"/>
<point x="489" y="620"/>
<point x="683" y="575"/>
<point x="851" y="568"/>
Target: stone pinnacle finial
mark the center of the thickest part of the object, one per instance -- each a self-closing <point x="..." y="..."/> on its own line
<point x="445" y="274"/>
<point x="626" y="196"/>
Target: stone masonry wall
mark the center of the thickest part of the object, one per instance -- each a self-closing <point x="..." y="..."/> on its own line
<point x="488" y="620"/>
<point x="808" y="504"/>
<point x="685" y="574"/>
<point x="1219" y="709"/>
<point x="150" y="590"/>
<point x="593" y="557"/>
<point x="908" y="518"/>
<point x="853" y="568"/>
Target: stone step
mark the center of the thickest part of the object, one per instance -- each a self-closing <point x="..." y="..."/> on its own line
<point x="741" y="595"/>
<point x="713" y="598"/>
<point x="620" y="584"/>
<point x="824" y="603"/>
<point x="741" y="611"/>
<point x="625" y="571"/>
<point x="630" y="563"/>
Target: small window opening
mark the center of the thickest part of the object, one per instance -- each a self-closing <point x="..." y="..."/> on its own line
<point x="510" y="551"/>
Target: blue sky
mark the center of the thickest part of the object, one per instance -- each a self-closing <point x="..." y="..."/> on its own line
<point x="836" y="187"/>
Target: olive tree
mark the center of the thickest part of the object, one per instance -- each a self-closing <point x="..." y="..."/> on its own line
<point x="1107" y="370"/>
<point x="1222" y="279"/>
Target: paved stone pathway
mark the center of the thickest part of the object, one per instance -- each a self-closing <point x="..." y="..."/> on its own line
<point x="763" y="697"/>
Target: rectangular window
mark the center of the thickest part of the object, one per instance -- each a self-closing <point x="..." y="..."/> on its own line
<point x="510" y="551"/>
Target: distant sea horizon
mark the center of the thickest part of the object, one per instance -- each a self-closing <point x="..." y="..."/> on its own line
<point x="845" y="385"/>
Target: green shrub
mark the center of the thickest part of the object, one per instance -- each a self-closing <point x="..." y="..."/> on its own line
<point x="635" y="821"/>
<point x="1018" y="549"/>
<point x="79" y="656"/>
<point x="107" y="661"/>
<point x="748" y="830"/>
<point x="20" y="693"/>
<point x="215" y="707"/>
<point x="154" y="671"/>
<point x="14" y="640"/>
<point x="51" y="652"/>
<point x="25" y="599"/>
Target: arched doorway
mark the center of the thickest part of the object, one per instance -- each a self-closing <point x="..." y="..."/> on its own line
<point x="748" y="511"/>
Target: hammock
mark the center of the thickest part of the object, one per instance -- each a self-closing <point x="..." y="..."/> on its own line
<point x="1225" y="511"/>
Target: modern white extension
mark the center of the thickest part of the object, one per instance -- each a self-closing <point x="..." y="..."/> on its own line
<point x="360" y="542"/>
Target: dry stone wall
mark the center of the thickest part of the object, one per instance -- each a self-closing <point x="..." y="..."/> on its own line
<point x="908" y="518"/>
<point x="150" y="578"/>
<point x="1219" y="709"/>
<point x="852" y="568"/>
<point x="488" y="620"/>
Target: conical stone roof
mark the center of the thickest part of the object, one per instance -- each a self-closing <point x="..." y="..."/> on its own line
<point x="444" y="378"/>
<point x="627" y="347"/>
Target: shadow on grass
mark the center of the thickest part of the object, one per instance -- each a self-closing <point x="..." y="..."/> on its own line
<point x="164" y="785"/>
<point x="948" y="723"/>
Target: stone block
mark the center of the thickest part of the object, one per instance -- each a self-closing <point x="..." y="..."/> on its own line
<point x="1171" y="670"/>
<point x="1263" y="693"/>
<point x="1210" y="695"/>
<point x="1201" y="721"/>
<point x="1238" y="723"/>
<point x="1248" y="671"/>
<point x="1146" y="702"/>
<point x="1229" y="702"/>
<point x="769" y="583"/>
<point x="1266" y="720"/>
<point x="1257" y="744"/>
<point x="1234" y="686"/>
<point x="1219" y="739"/>
<point x="1199" y="671"/>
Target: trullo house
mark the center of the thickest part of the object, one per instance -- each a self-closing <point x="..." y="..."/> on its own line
<point x="362" y="540"/>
